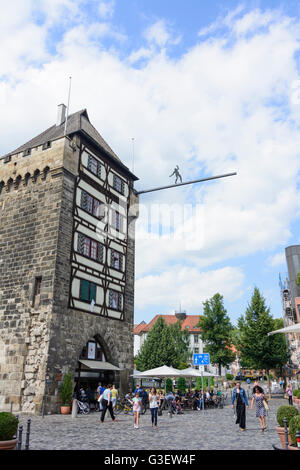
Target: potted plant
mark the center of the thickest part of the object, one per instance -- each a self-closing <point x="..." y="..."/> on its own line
<point x="293" y="428"/>
<point x="8" y="429"/>
<point x="295" y="396"/>
<point x="288" y="412"/>
<point x="66" y="392"/>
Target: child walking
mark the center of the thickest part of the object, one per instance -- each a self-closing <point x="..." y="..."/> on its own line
<point x="136" y="407"/>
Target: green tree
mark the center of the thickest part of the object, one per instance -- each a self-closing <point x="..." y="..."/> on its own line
<point x="164" y="345"/>
<point x="169" y="385"/>
<point x="298" y="279"/>
<point x="257" y="349"/>
<point x="158" y="349"/>
<point x="181" y="340"/>
<point x="217" y="332"/>
<point x="181" y="384"/>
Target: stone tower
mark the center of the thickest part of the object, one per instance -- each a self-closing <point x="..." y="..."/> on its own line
<point x="67" y="220"/>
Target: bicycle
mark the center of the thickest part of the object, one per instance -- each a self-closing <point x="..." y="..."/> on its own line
<point x="119" y="407"/>
<point x="127" y="408"/>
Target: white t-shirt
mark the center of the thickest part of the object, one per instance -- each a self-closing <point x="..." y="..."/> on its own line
<point x="153" y="401"/>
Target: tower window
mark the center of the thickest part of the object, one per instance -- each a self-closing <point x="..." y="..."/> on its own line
<point x="46" y="145"/>
<point x="94" y="166"/>
<point x="115" y="300"/>
<point x="119" y="184"/>
<point x="37" y="291"/>
<point x="87" y="291"/>
<point x="91" y="205"/>
<point x="116" y="260"/>
<point x="90" y="248"/>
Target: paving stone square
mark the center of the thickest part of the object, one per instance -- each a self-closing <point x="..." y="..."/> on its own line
<point x="194" y="430"/>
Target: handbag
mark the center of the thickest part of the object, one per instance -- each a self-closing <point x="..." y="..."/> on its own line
<point x="159" y="412"/>
<point x="266" y="405"/>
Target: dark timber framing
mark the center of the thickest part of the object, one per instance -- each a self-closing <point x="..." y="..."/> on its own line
<point x="104" y="273"/>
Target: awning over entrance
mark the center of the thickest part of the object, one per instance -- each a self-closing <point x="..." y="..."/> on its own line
<point x="98" y="365"/>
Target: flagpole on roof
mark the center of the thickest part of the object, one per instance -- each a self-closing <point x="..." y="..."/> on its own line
<point x="70" y="81"/>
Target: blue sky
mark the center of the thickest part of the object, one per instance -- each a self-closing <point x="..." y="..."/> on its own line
<point x="213" y="87"/>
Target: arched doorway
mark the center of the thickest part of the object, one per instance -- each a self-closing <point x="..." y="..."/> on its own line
<point x="94" y="367"/>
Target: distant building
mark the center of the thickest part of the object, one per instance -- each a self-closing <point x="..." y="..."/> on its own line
<point x="189" y="322"/>
<point x="290" y="294"/>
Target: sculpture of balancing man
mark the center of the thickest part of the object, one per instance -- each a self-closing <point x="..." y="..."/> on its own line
<point x="177" y="174"/>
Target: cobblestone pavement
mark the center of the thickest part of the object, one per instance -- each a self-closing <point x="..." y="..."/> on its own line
<point x="194" y="430"/>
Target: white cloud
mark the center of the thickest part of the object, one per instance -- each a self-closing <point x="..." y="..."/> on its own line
<point x="106" y="9"/>
<point x="187" y="286"/>
<point x="277" y="260"/>
<point x="160" y="33"/>
<point x="213" y="110"/>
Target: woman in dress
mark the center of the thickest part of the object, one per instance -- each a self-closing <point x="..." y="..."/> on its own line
<point x="153" y="404"/>
<point x="259" y="398"/>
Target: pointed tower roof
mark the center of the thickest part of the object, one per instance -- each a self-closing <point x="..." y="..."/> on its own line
<point x="77" y="123"/>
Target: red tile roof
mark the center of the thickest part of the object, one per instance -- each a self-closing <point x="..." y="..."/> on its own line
<point x="190" y="323"/>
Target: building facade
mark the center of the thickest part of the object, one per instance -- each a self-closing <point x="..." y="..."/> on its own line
<point x="188" y="322"/>
<point x="290" y="295"/>
<point x="67" y="220"/>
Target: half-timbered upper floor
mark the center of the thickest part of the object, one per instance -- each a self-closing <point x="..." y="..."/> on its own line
<point x="100" y="207"/>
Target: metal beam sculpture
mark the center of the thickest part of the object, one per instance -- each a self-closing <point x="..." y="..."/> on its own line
<point x="184" y="184"/>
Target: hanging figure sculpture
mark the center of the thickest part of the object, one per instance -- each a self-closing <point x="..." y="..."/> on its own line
<point x="177" y="174"/>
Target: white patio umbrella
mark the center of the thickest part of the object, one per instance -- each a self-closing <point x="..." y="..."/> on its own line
<point x="288" y="329"/>
<point x="190" y="372"/>
<point x="163" y="371"/>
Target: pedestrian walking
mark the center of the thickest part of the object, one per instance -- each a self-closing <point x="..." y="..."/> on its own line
<point x="289" y="392"/>
<point x="107" y="404"/>
<point x="239" y="395"/>
<point x="136" y="408"/>
<point x="114" y="394"/>
<point x="260" y="405"/>
<point x="256" y="385"/>
<point x="100" y="391"/>
<point x="153" y="404"/>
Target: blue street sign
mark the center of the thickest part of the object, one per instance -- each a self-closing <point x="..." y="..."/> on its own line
<point x="201" y="359"/>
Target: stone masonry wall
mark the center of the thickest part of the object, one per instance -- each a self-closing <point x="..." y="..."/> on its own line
<point x="29" y="213"/>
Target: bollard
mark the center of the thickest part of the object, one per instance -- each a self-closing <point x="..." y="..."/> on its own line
<point x="43" y="408"/>
<point x="298" y="439"/>
<point x="74" y="408"/>
<point x="27" y="434"/>
<point x="286" y="433"/>
<point x="20" y="437"/>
